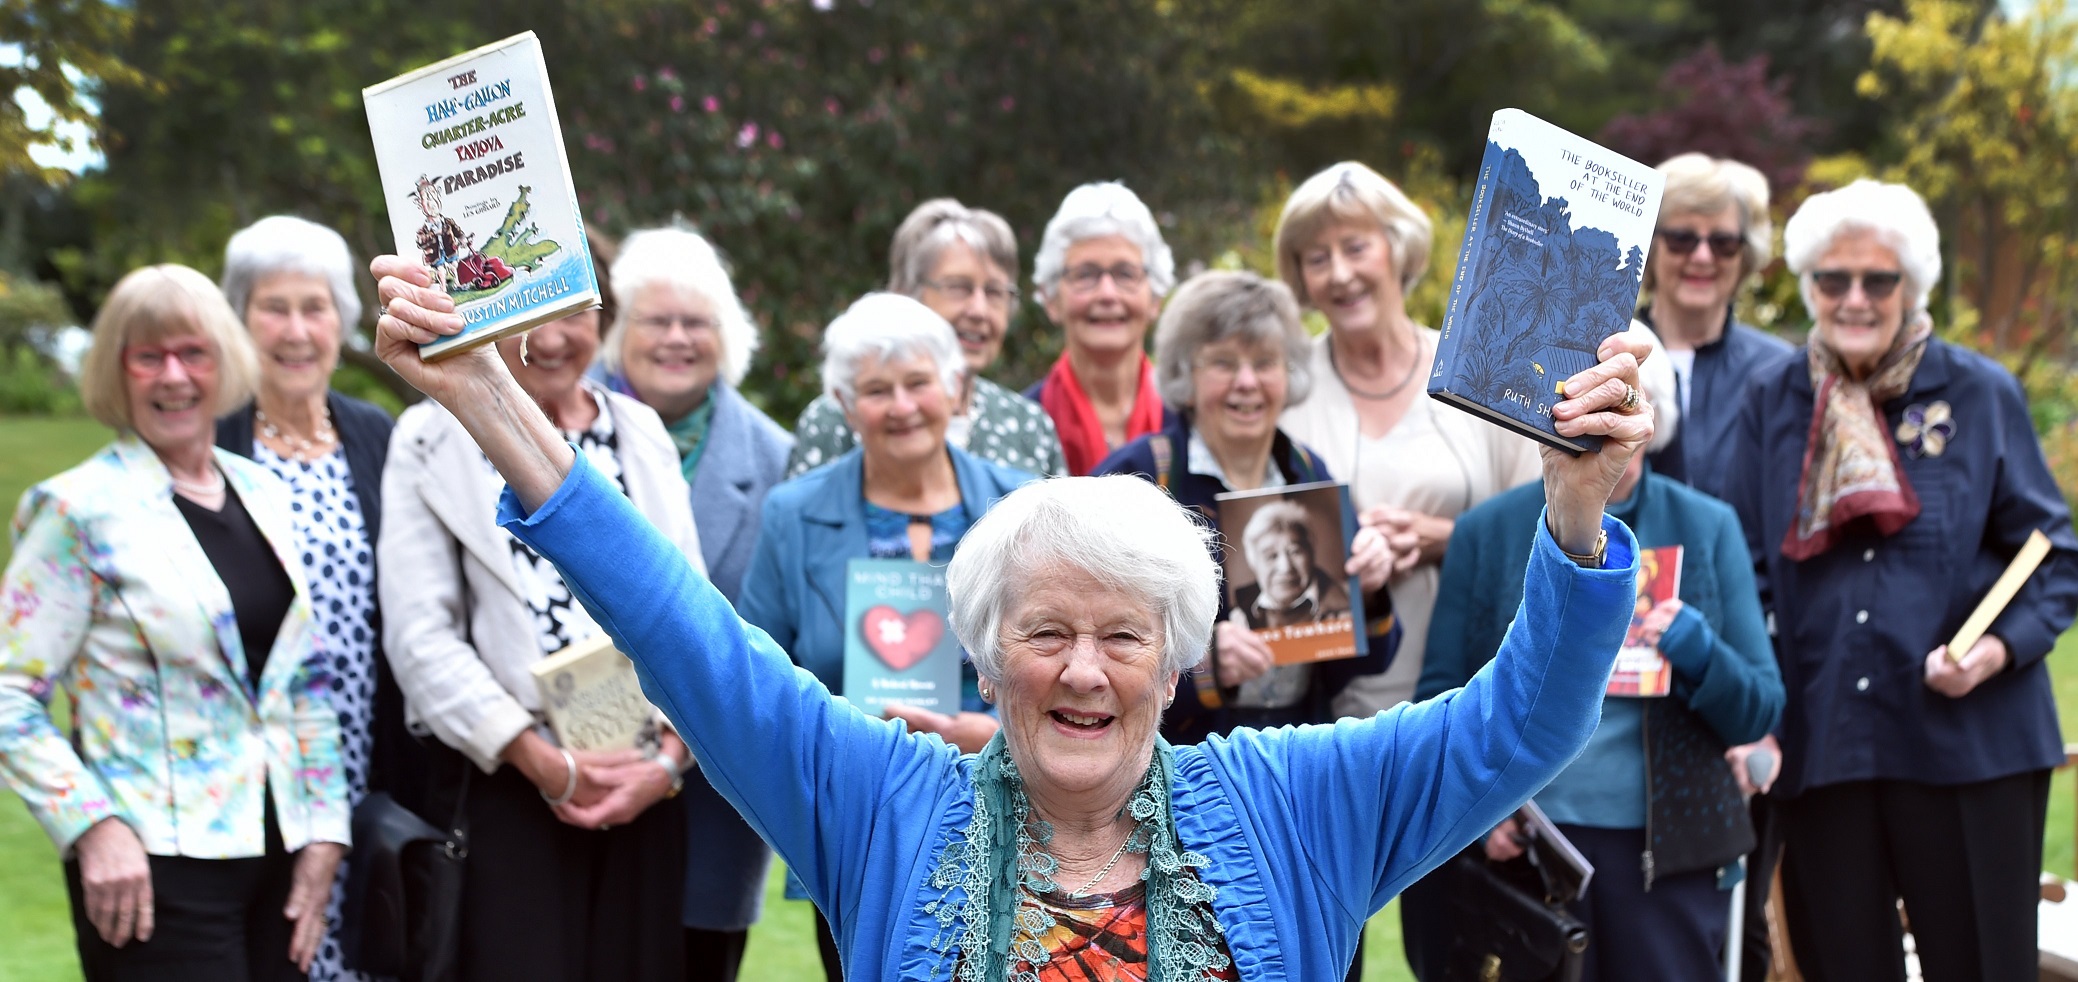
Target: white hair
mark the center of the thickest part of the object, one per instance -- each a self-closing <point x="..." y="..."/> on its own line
<point x="1895" y="214"/>
<point x="683" y="260"/>
<point x="1122" y="530"/>
<point x="1657" y="384"/>
<point x="287" y="244"/>
<point x="1096" y="210"/>
<point x="886" y="326"/>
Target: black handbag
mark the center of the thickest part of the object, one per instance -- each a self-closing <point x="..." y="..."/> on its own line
<point x="1506" y="925"/>
<point x="402" y="916"/>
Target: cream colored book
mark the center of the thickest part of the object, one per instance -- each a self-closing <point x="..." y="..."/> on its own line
<point x="593" y="699"/>
<point x="2031" y="554"/>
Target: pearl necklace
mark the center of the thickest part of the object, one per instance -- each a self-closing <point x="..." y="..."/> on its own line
<point x="300" y="449"/>
<point x="209" y="490"/>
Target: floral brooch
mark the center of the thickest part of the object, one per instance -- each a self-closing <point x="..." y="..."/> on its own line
<point x="1926" y="430"/>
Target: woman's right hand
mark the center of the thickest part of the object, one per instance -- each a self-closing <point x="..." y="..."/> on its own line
<point x="543" y="764"/>
<point x="116" y="875"/>
<point x="1242" y="655"/>
<point x="415" y="312"/>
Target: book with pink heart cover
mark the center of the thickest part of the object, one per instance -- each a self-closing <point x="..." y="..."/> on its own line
<point x="898" y="643"/>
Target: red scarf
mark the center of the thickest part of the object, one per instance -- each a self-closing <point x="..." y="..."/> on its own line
<point x="1082" y="434"/>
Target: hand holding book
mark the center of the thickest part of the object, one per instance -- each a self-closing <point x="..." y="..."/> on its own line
<point x="1958" y="678"/>
<point x="1577" y="487"/>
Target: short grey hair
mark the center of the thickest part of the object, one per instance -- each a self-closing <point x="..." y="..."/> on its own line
<point x="1214" y="306"/>
<point x="886" y="326"/>
<point x="1285" y="518"/>
<point x="1657" y="384"/>
<point x="1352" y="192"/>
<point x="1895" y="214"/>
<point x="287" y="244"/>
<point x="938" y="223"/>
<point x="684" y="260"/>
<point x="1096" y="210"/>
<point x="1122" y="530"/>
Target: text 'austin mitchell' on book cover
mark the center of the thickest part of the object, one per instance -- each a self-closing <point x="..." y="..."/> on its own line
<point x="1554" y="256"/>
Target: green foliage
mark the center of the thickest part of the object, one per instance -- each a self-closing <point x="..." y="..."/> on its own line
<point x="67" y="48"/>
<point x="31" y="386"/>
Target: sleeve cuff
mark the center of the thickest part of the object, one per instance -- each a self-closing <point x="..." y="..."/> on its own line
<point x="1687" y="642"/>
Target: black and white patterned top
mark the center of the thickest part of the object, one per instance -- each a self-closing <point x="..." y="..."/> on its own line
<point x="339" y="562"/>
<point x="559" y="619"/>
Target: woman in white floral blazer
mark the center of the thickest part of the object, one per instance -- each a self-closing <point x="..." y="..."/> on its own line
<point x="199" y="801"/>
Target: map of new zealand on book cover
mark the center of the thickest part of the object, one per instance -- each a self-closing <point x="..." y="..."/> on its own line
<point x="1553" y="259"/>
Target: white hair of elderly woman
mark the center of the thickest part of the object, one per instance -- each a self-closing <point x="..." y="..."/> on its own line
<point x="1122" y="530"/>
<point x="287" y="244"/>
<point x="885" y="326"/>
<point x="1214" y="306"/>
<point x="1657" y="384"/>
<point x="684" y="260"/>
<point x="1895" y="214"/>
<point x="1096" y="210"/>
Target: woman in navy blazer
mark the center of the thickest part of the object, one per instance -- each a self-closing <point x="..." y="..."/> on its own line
<point x="1885" y="479"/>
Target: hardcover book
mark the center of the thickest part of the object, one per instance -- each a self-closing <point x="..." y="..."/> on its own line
<point x="593" y="699"/>
<point x="1284" y="553"/>
<point x="1640" y="668"/>
<point x="898" y="643"/>
<point x="470" y="155"/>
<point x="1554" y="255"/>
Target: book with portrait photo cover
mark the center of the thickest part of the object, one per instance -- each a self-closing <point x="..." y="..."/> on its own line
<point x="1640" y="668"/>
<point x="898" y="643"/>
<point x="1283" y="555"/>
<point x="593" y="700"/>
<point x="470" y="156"/>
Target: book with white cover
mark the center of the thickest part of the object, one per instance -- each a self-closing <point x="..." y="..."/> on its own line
<point x="593" y="700"/>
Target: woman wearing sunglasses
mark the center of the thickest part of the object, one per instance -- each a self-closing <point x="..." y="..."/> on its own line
<point x="199" y="799"/>
<point x="1885" y="478"/>
<point x="1714" y="234"/>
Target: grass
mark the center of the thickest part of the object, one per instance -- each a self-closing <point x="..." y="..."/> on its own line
<point x="36" y="930"/>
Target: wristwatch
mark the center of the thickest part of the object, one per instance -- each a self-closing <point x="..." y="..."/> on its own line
<point x="1595" y="559"/>
<point x="663" y="760"/>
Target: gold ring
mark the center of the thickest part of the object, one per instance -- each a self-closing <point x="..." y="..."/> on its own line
<point x="1630" y="400"/>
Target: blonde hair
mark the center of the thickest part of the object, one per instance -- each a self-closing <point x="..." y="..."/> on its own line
<point x="1352" y="192"/>
<point x="149" y="305"/>
<point x="1698" y="184"/>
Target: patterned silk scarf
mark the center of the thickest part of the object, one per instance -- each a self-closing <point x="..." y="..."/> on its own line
<point x="1082" y="433"/>
<point x="1850" y="463"/>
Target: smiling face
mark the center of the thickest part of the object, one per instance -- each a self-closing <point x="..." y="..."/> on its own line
<point x="171" y="385"/>
<point x="295" y="328"/>
<point x="1240" y="390"/>
<point x="1861" y="329"/>
<point x="671" y="347"/>
<point x="1283" y="565"/>
<point x="558" y="353"/>
<point x="957" y="289"/>
<point x="1103" y="316"/>
<point x="1701" y="282"/>
<point x="899" y="408"/>
<point x="1083" y="687"/>
<point x="1350" y="277"/>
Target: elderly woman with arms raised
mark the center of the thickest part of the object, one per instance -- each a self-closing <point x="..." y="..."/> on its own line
<point x="1231" y="356"/>
<point x="681" y="342"/>
<point x="1102" y="271"/>
<point x="1351" y="245"/>
<point x="200" y="801"/>
<point x="1885" y="478"/>
<point x="293" y="282"/>
<point x="962" y="263"/>
<point x="576" y="865"/>
<point x="1077" y="835"/>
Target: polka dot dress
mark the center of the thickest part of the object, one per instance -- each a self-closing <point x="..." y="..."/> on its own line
<point x="339" y="562"/>
<point x="1002" y="426"/>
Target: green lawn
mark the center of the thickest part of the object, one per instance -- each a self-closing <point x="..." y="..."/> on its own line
<point x="36" y="932"/>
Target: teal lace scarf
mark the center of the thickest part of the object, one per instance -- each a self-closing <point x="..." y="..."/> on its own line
<point x="1002" y="852"/>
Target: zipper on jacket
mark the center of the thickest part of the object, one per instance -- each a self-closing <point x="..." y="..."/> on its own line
<point x="1645" y="732"/>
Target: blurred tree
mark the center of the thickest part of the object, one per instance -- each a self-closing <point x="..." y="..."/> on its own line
<point x="1724" y="109"/>
<point x="65" y="49"/>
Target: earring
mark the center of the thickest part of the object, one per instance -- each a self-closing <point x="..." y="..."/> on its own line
<point x="988" y="694"/>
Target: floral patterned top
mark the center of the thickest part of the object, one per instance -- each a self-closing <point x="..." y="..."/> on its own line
<point x="1002" y="426"/>
<point x="1100" y="937"/>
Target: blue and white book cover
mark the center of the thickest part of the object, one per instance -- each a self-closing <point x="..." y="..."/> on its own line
<point x="1553" y="259"/>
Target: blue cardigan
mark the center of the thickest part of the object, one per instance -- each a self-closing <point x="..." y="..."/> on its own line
<point x="1308" y="830"/>
<point x="744" y="458"/>
<point x="1855" y="624"/>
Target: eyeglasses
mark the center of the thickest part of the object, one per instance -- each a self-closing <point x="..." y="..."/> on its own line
<point x="1681" y="242"/>
<point x="149" y="360"/>
<point x="661" y="324"/>
<point x="1224" y="369"/>
<point x="1877" y="286"/>
<point x="962" y="290"/>
<point x="1087" y="277"/>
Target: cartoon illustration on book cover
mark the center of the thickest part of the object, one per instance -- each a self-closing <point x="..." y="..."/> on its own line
<point x="465" y="271"/>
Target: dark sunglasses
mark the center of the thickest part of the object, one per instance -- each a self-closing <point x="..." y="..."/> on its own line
<point x="1835" y="283"/>
<point x="1681" y="242"/>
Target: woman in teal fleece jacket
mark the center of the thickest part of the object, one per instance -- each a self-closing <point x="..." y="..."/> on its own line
<point x="1254" y="857"/>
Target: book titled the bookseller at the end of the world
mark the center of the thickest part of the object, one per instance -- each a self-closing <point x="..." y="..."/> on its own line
<point x="470" y="155"/>
<point x="1554" y="255"/>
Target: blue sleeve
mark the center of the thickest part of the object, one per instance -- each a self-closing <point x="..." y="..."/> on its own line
<point x="814" y="776"/>
<point x="1726" y="672"/>
<point x="1374" y="804"/>
<point x="2024" y="499"/>
<point x="1743" y="491"/>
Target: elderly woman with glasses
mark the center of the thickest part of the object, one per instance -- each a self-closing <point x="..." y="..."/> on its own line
<point x="1885" y="478"/>
<point x="1077" y="843"/>
<point x="962" y="263"/>
<point x="1231" y="355"/>
<point x="199" y="800"/>
<point x="1102" y="271"/>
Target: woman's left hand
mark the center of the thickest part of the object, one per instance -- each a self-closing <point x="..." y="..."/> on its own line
<point x="1417" y="537"/>
<point x="310" y="890"/>
<point x="970" y="732"/>
<point x="1577" y="489"/>
<point x="631" y="787"/>
<point x="1658" y="619"/>
<point x="1372" y="559"/>
<point x="1988" y="657"/>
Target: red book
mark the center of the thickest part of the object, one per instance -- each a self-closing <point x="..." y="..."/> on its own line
<point x="1640" y="668"/>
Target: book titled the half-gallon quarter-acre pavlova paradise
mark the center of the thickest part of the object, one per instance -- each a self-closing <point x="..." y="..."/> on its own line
<point x="471" y="159"/>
